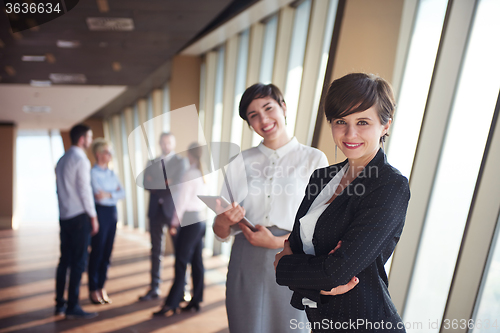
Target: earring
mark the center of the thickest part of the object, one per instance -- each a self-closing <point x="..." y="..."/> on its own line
<point x="383" y="140"/>
<point x="335" y="153"/>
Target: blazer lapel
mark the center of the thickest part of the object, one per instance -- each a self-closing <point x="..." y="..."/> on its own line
<point x="318" y="183"/>
<point x="350" y="190"/>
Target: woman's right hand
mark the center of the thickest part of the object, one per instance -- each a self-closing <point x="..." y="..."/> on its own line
<point x="231" y="216"/>
<point x="343" y="288"/>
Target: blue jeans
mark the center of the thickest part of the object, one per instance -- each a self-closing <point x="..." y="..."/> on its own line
<point x="102" y="245"/>
<point x="75" y="238"/>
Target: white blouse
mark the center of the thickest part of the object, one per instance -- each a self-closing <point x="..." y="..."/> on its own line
<point x="191" y="186"/>
<point x="308" y="221"/>
<point x="276" y="181"/>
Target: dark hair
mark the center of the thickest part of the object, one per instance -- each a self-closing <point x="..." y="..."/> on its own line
<point x="77" y="132"/>
<point x="259" y="90"/>
<point x="357" y="92"/>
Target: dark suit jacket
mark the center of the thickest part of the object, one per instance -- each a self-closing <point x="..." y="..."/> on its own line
<point x="154" y="181"/>
<point x="368" y="216"/>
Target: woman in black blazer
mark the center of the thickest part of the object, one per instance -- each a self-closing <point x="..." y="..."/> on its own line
<point x="350" y="219"/>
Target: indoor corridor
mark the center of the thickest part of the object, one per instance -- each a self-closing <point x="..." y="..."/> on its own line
<point x="28" y="259"/>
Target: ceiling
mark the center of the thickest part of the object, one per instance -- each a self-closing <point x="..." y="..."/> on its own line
<point x="117" y="65"/>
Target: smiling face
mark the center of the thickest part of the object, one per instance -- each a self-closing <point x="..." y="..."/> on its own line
<point x="358" y="135"/>
<point x="267" y="118"/>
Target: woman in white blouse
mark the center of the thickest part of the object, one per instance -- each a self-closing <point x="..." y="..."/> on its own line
<point x="277" y="172"/>
<point x="189" y="243"/>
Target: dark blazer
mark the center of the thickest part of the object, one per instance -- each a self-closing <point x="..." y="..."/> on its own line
<point x="154" y="181"/>
<point x="368" y="216"/>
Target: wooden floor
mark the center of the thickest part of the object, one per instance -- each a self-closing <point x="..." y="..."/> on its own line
<point x="28" y="259"/>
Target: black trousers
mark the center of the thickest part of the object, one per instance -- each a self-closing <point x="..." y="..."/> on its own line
<point x="102" y="246"/>
<point x="157" y="227"/>
<point x="75" y="238"/>
<point x="188" y="250"/>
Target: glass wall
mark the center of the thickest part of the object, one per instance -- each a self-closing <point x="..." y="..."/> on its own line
<point x="37" y="152"/>
<point x="416" y="82"/>
<point x="295" y="62"/>
<point x="457" y="173"/>
<point x="488" y="307"/>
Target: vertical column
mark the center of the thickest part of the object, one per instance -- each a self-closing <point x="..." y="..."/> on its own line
<point x="283" y="41"/>
<point x="256" y="36"/>
<point x="211" y="69"/>
<point x="379" y="33"/>
<point x="7" y="175"/>
<point x="114" y="136"/>
<point x="312" y="61"/>
<point x="184" y="90"/>
<point x="126" y="128"/>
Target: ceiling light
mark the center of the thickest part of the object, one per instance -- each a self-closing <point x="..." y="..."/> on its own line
<point x="10" y="70"/>
<point x="36" y="109"/>
<point x="110" y="24"/>
<point x="40" y="83"/>
<point x="67" y="78"/>
<point x="33" y="58"/>
<point x="68" y="44"/>
<point x="116" y="66"/>
<point x="103" y="6"/>
<point x="50" y="58"/>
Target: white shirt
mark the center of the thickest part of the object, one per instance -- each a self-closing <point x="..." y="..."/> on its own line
<point x="191" y="186"/>
<point x="308" y="221"/>
<point x="276" y="181"/>
<point x="74" y="191"/>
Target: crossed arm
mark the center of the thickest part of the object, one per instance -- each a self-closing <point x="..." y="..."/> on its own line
<point x="378" y="219"/>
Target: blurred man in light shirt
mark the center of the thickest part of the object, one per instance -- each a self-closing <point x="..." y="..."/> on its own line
<point x="77" y="218"/>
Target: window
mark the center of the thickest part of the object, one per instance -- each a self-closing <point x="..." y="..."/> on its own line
<point x="295" y="62"/>
<point x="460" y="159"/>
<point x="240" y="86"/>
<point x="415" y="85"/>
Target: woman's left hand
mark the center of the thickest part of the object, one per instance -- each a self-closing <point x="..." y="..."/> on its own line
<point x="286" y="251"/>
<point x="341" y="289"/>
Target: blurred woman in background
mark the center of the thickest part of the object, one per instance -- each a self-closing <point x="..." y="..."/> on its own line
<point x="107" y="191"/>
<point x="189" y="243"/>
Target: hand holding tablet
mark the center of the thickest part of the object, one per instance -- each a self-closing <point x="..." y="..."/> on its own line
<point x="211" y="202"/>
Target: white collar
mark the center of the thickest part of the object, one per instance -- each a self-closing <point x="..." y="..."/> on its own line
<point x="281" y="151"/>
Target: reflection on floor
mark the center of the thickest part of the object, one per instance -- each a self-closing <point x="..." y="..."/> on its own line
<point x="28" y="258"/>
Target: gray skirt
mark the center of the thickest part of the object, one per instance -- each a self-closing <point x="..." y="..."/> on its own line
<point x="255" y="303"/>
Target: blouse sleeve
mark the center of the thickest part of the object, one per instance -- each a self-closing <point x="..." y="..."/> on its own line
<point x="378" y="219"/>
<point x="119" y="193"/>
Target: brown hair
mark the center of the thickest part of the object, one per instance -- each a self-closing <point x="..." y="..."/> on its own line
<point x="357" y="92"/>
<point x="259" y="90"/>
<point x="195" y="150"/>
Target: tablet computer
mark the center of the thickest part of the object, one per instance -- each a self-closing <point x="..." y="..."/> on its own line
<point x="210" y="201"/>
